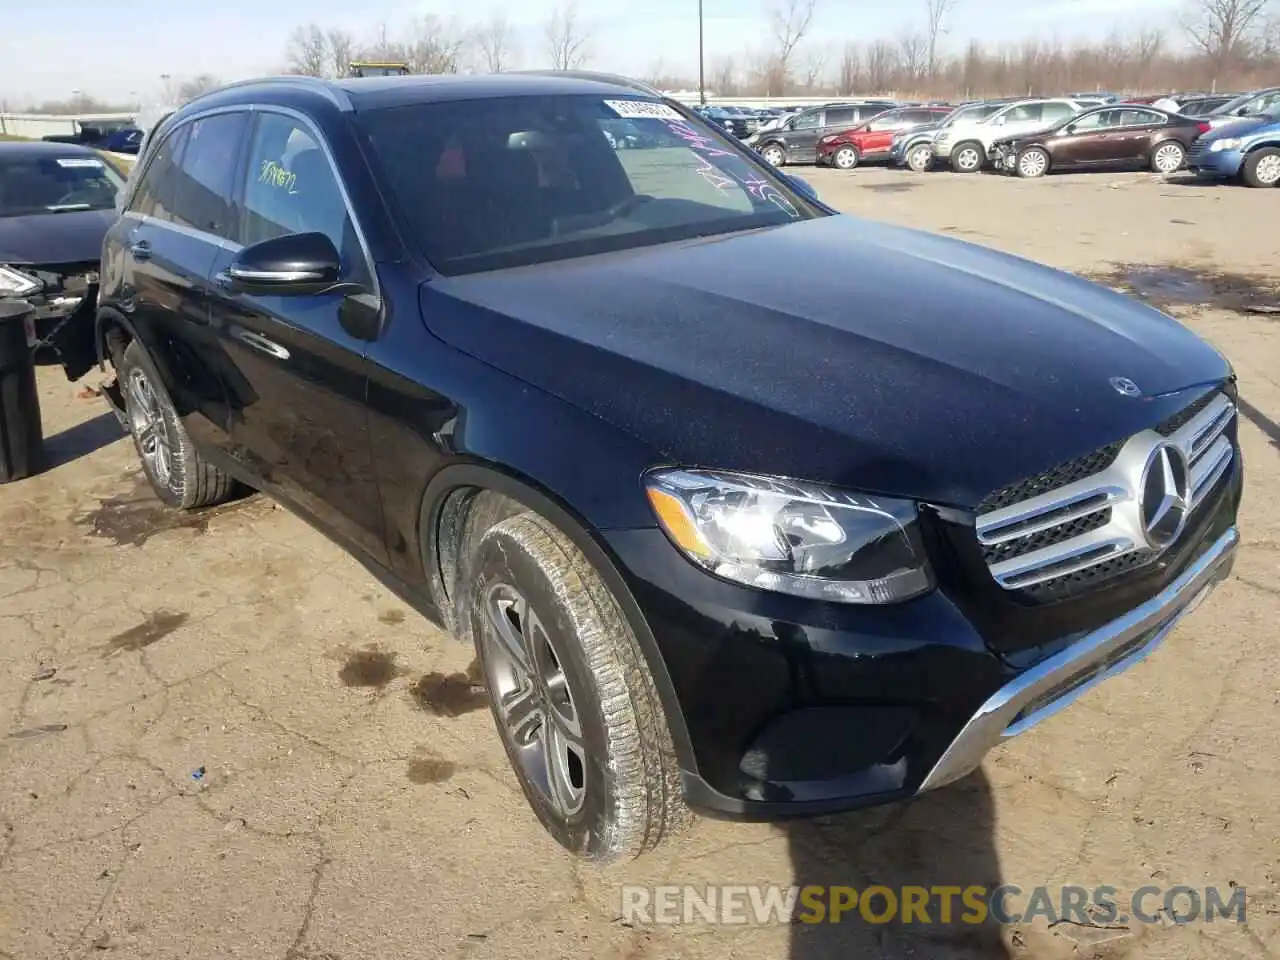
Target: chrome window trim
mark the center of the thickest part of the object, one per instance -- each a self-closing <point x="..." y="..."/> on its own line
<point x="1206" y="452"/>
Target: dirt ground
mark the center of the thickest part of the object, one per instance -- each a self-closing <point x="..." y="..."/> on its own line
<point x="220" y="737"/>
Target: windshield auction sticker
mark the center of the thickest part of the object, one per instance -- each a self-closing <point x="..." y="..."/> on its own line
<point x="642" y="110"/>
<point x="79" y="162"/>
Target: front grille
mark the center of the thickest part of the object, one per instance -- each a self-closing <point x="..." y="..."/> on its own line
<point x="1064" y="531"/>
<point x="1197" y="150"/>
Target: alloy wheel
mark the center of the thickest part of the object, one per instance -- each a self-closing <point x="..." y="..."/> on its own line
<point x="846" y="159"/>
<point x="920" y="158"/>
<point x="1268" y="170"/>
<point x="537" y="711"/>
<point x="1169" y="158"/>
<point x="773" y="155"/>
<point x="149" y="427"/>
<point x="1033" y="163"/>
<point x="967" y="159"/>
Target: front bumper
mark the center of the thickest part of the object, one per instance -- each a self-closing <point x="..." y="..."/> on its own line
<point x="1222" y="164"/>
<point x="793" y="708"/>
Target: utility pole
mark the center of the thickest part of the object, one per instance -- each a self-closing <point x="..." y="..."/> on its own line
<point x="702" y="77"/>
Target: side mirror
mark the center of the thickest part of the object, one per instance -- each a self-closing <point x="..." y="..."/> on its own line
<point x="803" y="187"/>
<point x="293" y="264"/>
<point x="1001" y="121"/>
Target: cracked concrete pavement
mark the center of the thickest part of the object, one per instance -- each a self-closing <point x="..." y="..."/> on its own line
<point x="220" y="737"/>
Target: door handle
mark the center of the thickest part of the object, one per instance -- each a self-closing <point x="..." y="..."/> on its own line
<point x="140" y="250"/>
<point x="260" y="343"/>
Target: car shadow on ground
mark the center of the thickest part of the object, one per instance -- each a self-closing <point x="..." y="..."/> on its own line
<point x="942" y="839"/>
<point x="81" y="440"/>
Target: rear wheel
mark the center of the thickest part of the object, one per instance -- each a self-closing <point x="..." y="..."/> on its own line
<point x="1168" y="157"/>
<point x="846" y="158"/>
<point x="572" y="696"/>
<point x="1262" y="168"/>
<point x="1033" y="162"/>
<point x="968" y="157"/>
<point x="774" y="155"/>
<point x="176" y="471"/>
<point x="920" y="158"/>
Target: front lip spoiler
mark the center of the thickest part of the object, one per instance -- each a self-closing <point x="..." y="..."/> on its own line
<point x="1029" y="697"/>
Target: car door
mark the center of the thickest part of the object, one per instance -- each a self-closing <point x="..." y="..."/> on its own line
<point x="300" y="358"/>
<point x="880" y="130"/>
<point x="165" y="291"/>
<point x="1123" y="138"/>
<point x="802" y="137"/>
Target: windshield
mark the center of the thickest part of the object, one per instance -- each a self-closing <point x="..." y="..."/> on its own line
<point x="975" y="111"/>
<point x="31" y="184"/>
<point x="495" y="183"/>
<point x="1231" y="106"/>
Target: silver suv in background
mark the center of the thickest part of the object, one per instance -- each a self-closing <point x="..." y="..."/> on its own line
<point x="966" y="142"/>
<point x="914" y="148"/>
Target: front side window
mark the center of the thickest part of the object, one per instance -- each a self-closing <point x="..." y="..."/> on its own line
<point x="490" y="183"/>
<point x="153" y="196"/>
<point x="51" y="183"/>
<point x="807" y="121"/>
<point x="1023" y="113"/>
<point x="841" y="115"/>
<point x="204" y="181"/>
<point x="291" y="187"/>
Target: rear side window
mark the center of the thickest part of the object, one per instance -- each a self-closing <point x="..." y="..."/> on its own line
<point x="204" y="180"/>
<point x="291" y="187"/>
<point x="153" y="196"/>
<point x="1025" y="112"/>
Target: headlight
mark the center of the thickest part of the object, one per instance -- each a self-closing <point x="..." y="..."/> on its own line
<point x="1227" y="143"/>
<point x="793" y="537"/>
<point x="15" y="284"/>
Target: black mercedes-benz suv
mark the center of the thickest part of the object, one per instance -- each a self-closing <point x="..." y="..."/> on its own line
<point x="746" y="506"/>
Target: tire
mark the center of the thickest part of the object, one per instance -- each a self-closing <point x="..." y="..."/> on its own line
<point x="177" y="473"/>
<point x="968" y="157"/>
<point x="1262" y="168"/>
<point x="846" y="158"/>
<point x="1168" y="157"/>
<point x="774" y="155"/>
<point x="611" y="788"/>
<point x="1032" y="162"/>
<point x="920" y="158"/>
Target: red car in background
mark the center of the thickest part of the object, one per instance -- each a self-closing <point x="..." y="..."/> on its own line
<point x="871" y="139"/>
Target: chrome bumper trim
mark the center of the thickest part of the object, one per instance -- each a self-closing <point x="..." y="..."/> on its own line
<point x="1083" y="665"/>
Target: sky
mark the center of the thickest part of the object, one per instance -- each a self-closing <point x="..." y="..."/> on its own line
<point x="52" y="48"/>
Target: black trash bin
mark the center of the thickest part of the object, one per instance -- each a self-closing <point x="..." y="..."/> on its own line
<point x="21" y="436"/>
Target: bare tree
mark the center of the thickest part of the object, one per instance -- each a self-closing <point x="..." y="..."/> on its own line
<point x="850" y="68"/>
<point x="723" y="78"/>
<point x="935" y="27"/>
<point x="190" y="89"/>
<point x="882" y="64"/>
<point x="913" y="50"/>
<point x="1223" y="28"/>
<point x="383" y="48"/>
<point x="494" y="40"/>
<point x="815" y="65"/>
<point x="437" y="46"/>
<point x="342" y="50"/>
<point x="566" y="38"/>
<point x="308" y="51"/>
<point x="790" y="21"/>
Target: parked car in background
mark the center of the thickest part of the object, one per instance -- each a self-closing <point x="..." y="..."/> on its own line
<point x="1110" y="136"/>
<point x="914" y="148"/>
<point x="1190" y="104"/>
<point x="913" y="502"/>
<point x="872" y="139"/>
<point x="738" y="124"/>
<point x="89" y="132"/>
<point x="966" y="143"/>
<point x="56" y="202"/>
<point x="1248" y="148"/>
<point x="1095" y="97"/>
<point x="1256" y="103"/>
<point x="125" y="140"/>
<point x="795" y="140"/>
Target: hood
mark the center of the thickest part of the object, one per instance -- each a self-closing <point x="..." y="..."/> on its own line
<point x="1238" y="126"/>
<point x="890" y="360"/>
<point x="39" y="238"/>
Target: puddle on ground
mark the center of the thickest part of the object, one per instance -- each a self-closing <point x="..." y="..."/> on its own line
<point x="1162" y="285"/>
<point x="156" y="627"/>
<point x="427" y="768"/>
<point x="137" y="515"/>
<point x="370" y="667"/>
<point x="391" y="617"/>
<point x="902" y="187"/>
<point x="453" y="694"/>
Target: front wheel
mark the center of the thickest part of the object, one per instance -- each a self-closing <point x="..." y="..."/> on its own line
<point x="968" y="157"/>
<point x="774" y="155"/>
<point x="572" y="695"/>
<point x="1033" y="162"/>
<point x="1262" y="168"/>
<point x="846" y="158"/>
<point x="920" y="159"/>
<point x="1168" y="157"/>
<point x="177" y="473"/>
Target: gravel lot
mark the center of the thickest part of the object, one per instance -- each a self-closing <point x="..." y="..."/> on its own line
<point x="220" y="737"/>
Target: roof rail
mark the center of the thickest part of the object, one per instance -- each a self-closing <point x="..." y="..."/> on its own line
<point x="614" y="78"/>
<point x="316" y="84"/>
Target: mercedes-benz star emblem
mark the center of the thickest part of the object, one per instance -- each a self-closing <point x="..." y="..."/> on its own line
<point x="1164" y="496"/>
<point x="1125" y="386"/>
